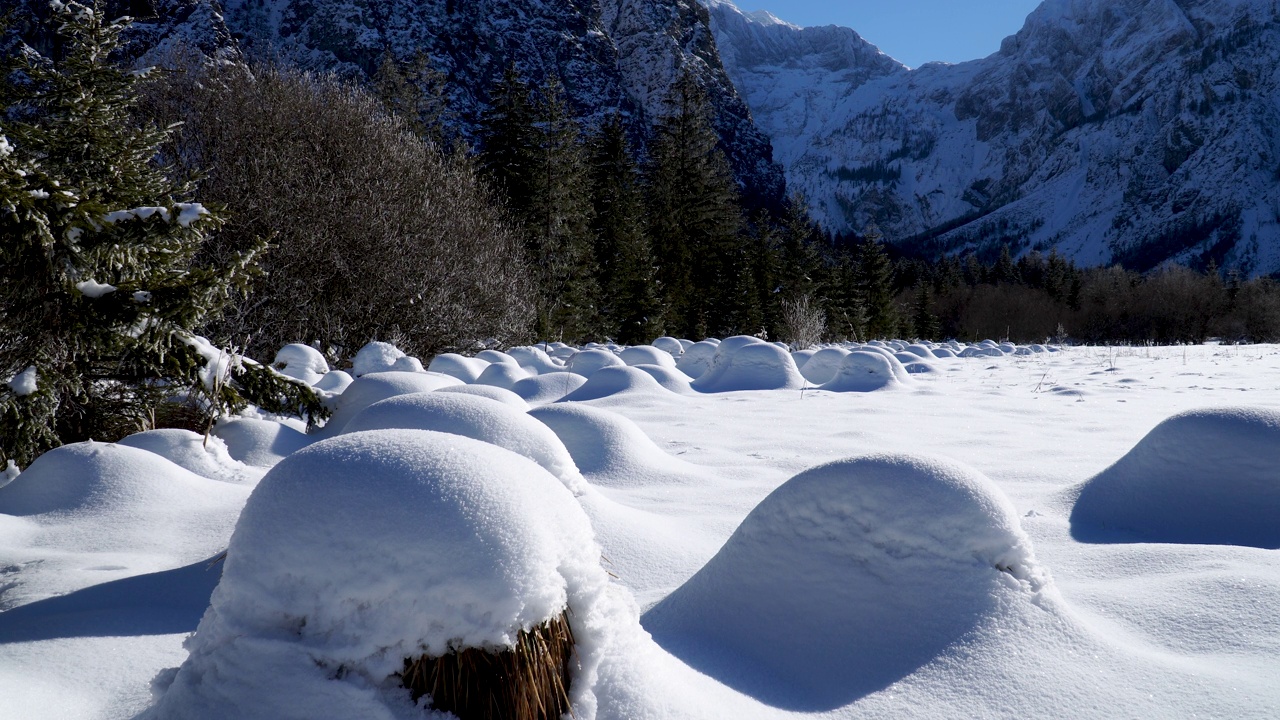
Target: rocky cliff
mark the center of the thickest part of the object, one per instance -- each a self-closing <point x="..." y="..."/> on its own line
<point x="1137" y="131"/>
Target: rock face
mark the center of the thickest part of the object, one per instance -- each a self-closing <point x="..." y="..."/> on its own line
<point x="609" y="54"/>
<point x="1114" y="130"/>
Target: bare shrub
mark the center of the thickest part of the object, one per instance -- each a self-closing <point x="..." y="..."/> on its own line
<point x="803" y="322"/>
<point x="375" y="233"/>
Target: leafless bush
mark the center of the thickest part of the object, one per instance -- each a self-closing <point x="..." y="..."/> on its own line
<point x="803" y="322"/>
<point x="375" y="233"/>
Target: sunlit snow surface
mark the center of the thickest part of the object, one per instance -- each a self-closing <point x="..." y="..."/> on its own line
<point x="931" y="559"/>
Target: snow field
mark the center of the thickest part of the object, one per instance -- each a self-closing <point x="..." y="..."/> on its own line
<point x="774" y="552"/>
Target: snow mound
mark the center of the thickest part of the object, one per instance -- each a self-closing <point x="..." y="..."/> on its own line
<point x="373" y="387"/>
<point x="459" y="545"/>
<point x="334" y="381"/>
<point x="120" y="509"/>
<point x="535" y="360"/>
<point x="454" y="365"/>
<point x="697" y="358"/>
<point x="475" y="417"/>
<point x="754" y="365"/>
<point x="920" y="350"/>
<point x="375" y="357"/>
<point x="647" y="355"/>
<point x="1202" y="477"/>
<point x="823" y="365"/>
<point x="407" y="363"/>
<point x="503" y="375"/>
<point x="866" y="371"/>
<point x="506" y="397"/>
<point x="259" y="443"/>
<point x="669" y="378"/>
<point x="543" y="389"/>
<point x="944" y="353"/>
<point x="606" y="445"/>
<point x="206" y="457"/>
<point x="610" y="381"/>
<point x="301" y="362"/>
<point x="587" y="362"/>
<point x="802" y="356"/>
<point x="669" y="345"/>
<point x="849" y="577"/>
<point x="496" y="356"/>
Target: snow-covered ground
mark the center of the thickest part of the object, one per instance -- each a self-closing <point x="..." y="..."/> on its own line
<point x="984" y="531"/>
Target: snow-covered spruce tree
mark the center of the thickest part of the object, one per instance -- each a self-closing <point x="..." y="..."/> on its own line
<point x="101" y="289"/>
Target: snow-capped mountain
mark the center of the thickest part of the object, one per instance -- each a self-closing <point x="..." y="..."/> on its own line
<point x="609" y="54"/>
<point x="1128" y="130"/>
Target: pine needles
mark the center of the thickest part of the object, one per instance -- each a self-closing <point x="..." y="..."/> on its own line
<point x="527" y="682"/>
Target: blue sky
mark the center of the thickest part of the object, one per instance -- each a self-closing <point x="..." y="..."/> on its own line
<point x="913" y="31"/>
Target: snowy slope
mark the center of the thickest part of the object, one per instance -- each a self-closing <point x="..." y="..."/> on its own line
<point x="1137" y="131"/>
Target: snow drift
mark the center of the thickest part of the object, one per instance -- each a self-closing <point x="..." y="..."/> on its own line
<point x="742" y="365"/>
<point x="847" y="578"/>
<point x="1204" y="477"/>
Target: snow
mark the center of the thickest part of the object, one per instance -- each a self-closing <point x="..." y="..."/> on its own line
<point x="964" y="545"/>
<point x="25" y="382"/>
<point x="506" y="397"/>
<point x="746" y="365"/>
<point x="460" y="545"/>
<point x="1204" y="476"/>
<point x="375" y="357"/>
<point x="618" y="380"/>
<point x="93" y="289"/>
<point x="865" y="371"/>
<point x="587" y="362"/>
<point x="849" y="577"/>
<point x="301" y="362"/>
<point x="464" y="368"/>
<point x="476" y="417"/>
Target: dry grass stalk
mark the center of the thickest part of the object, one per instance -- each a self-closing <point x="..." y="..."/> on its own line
<point x="527" y="682"/>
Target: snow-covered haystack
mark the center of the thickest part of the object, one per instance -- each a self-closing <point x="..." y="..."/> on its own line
<point x="454" y="365"/>
<point x="206" y="457"/>
<point x="1204" y="477"/>
<point x="120" y="510"/>
<point x="503" y="375"/>
<point x="301" y="362"/>
<point x="260" y="443"/>
<point x="697" y="358"/>
<point x="647" y="355"/>
<point x="543" y="389"/>
<point x="608" y="447"/>
<point x="587" y="362"/>
<point x="670" y="345"/>
<point x="535" y="360"/>
<point x="757" y="365"/>
<point x="669" y="378"/>
<point x="506" y="397"/>
<point x="369" y="556"/>
<point x="823" y="365"/>
<point x="373" y="387"/>
<point x="867" y="371"/>
<point x="849" y="577"/>
<point x="375" y="357"/>
<point x="475" y="417"/>
<point x="610" y="381"/>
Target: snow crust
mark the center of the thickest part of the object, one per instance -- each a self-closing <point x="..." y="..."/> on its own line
<point x="459" y="544"/>
<point x="1204" y="476"/>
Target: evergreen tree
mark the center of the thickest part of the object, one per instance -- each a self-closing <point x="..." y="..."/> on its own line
<point x="925" y="323"/>
<point x="102" y="289"/>
<point x="695" y="217"/>
<point x="559" y="217"/>
<point x="801" y="257"/>
<point x="846" y="305"/>
<point x="507" y="139"/>
<point x="1005" y="271"/>
<point x="876" y="284"/>
<point x="416" y="92"/>
<point x="627" y="271"/>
